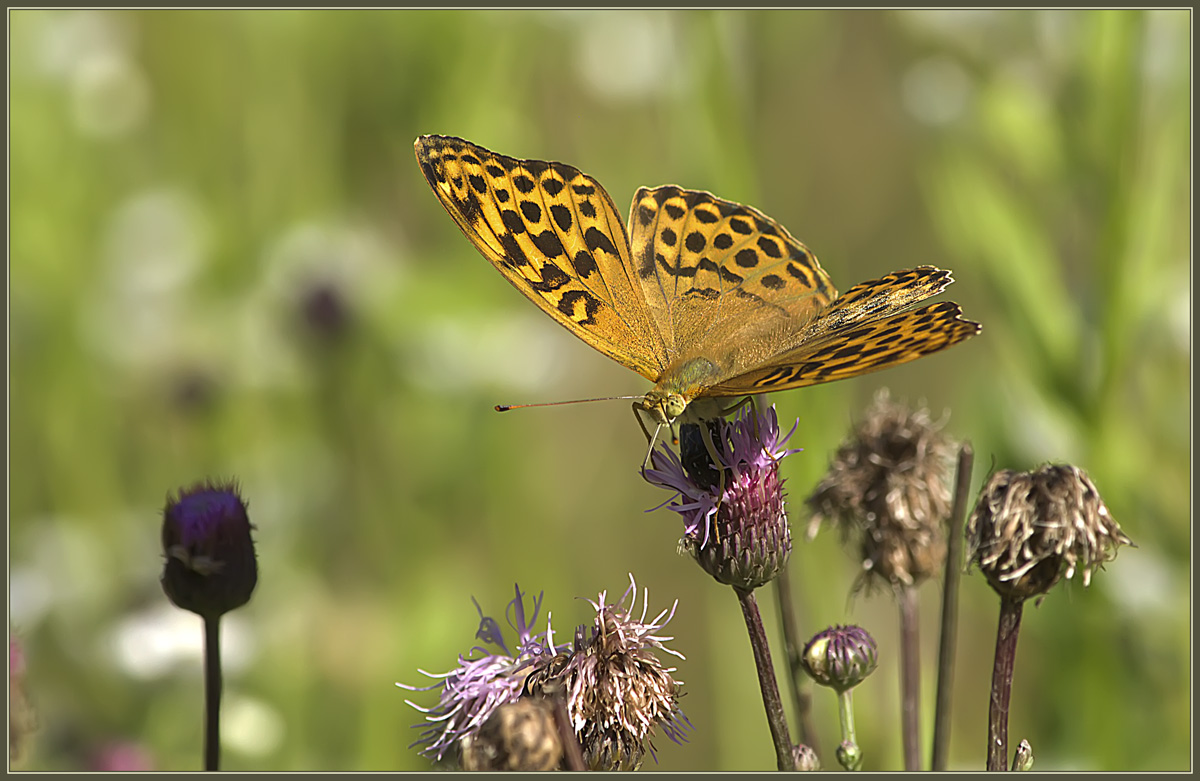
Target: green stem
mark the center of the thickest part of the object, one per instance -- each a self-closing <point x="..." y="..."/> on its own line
<point x="212" y="693"/>
<point x="848" y="754"/>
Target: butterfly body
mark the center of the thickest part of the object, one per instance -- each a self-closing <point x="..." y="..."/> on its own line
<point x="705" y="297"/>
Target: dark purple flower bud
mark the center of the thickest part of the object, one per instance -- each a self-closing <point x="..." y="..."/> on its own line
<point x="211" y="567"/>
<point x="840" y="657"/>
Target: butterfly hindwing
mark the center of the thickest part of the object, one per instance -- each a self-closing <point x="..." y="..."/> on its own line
<point x="871" y="327"/>
<point x="554" y="233"/>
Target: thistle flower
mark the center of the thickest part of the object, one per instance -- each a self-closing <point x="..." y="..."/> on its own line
<point x="888" y="488"/>
<point x="735" y="524"/>
<point x="617" y="688"/>
<point x="483" y="681"/>
<point x="518" y="736"/>
<point x="1030" y="529"/>
<point x="614" y="689"/>
<point x="210" y="562"/>
<point x="841" y="657"/>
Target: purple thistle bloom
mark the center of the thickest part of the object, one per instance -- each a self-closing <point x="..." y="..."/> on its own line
<point x="609" y="682"/>
<point x="484" y="680"/>
<point x="735" y="524"/>
<point x="210" y="562"/>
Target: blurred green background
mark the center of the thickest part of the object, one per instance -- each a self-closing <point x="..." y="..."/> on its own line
<point x="226" y="263"/>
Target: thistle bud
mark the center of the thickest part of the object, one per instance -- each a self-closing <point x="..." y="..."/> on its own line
<point x="210" y="562"/>
<point x="840" y="657"/>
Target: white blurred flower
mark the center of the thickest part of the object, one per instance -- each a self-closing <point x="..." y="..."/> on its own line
<point x="627" y="55"/>
<point x="936" y="90"/>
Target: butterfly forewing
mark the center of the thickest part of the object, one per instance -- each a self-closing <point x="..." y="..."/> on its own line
<point x="719" y="274"/>
<point x="554" y="233"/>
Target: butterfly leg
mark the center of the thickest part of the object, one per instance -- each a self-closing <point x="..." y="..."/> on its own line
<point x="651" y="439"/>
<point x="715" y="456"/>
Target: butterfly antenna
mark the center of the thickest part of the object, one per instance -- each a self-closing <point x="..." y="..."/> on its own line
<point x="507" y="407"/>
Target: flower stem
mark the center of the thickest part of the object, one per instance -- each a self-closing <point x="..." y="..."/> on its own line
<point x="1002" y="675"/>
<point x="949" y="631"/>
<point x="910" y="678"/>
<point x="572" y="753"/>
<point x="766" y="680"/>
<point x="848" y="754"/>
<point x="797" y="679"/>
<point x="212" y="692"/>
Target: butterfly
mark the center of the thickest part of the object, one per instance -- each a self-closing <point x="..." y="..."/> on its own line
<point x="704" y="297"/>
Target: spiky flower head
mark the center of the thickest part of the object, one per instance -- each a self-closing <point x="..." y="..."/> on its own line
<point x="888" y="490"/>
<point x="735" y="523"/>
<point x="617" y="688"/>
<point x="210" y="565"/>
<point x="1031" y="529"/>
<point x="483" y="681"/>
<point x="840" y="657"/>
<point x="609" y="681"/>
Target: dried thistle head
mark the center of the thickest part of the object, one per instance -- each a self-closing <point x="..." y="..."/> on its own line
<point x="1031" y="529"/>
<point x="888" y="490"/>
<point x="618" y="690"/>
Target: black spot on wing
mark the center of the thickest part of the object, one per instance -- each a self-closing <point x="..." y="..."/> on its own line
<point x="547" y="242"/>
<point x="532" y="212"/>
<point x="597" y="239"/>
<point x="584" y="264"/>
<point x="562" y="217"/>
<point x="512" y="221"/>
<point x="573" y="299"/>
<point x="552" y="279"/>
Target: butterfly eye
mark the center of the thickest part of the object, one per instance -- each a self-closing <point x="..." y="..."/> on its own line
<point x="674" y="405"/>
